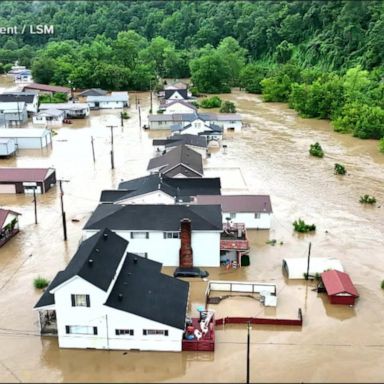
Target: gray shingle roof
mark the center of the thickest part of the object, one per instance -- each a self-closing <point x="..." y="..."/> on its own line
<point x="181" y="188"/>
<point x="105" y="249"/>
<point x="180" y="155"/>
<point x="142" y="290"/>
<point x="159" y="217"/>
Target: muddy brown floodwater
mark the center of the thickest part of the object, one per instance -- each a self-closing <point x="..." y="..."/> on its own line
<point x="271" y="157"/>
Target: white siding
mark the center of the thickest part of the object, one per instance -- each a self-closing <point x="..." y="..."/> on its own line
<point x="7" y="148"/>
<point x="93" y="316"/>
<point x="205" y="245"/>
<point x="107" y="320"/>
<point x="264" y="222"/>
<point x="178" y="108"/>
<point x="206" y="248"/>
<point x="155" y="197"/>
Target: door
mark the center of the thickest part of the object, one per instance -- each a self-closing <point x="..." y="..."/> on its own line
<point x="7" y="188"/>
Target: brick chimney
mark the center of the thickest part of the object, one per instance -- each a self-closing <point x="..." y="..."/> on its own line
<point x="186" y="253"/>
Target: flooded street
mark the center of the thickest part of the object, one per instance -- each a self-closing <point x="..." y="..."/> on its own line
<point x="270" y="157"/>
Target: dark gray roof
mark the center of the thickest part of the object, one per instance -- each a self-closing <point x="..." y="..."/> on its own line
<point x="112" y="195"/>
<point x="169" y="92"/>
<point x="160" y="142"/>
<point x="181" y="188"/>
<point x="105" y="249"/>
<point x="142" y="290"/>
<point x="177" y="139"/>
<point x="93" y="92"/>
<point x="196" y="141"/>
<point x="179" y="155"/>
<point x="159" y="217"/>
<point x="14" y="97"/>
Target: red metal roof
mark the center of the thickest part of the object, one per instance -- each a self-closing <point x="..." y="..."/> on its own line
<point x="23" y="174"/>
<point x="238" y="203"/>
<point x="48" y="88"/>
<point x="338" y="282"/>
<point x="3" y="215"/>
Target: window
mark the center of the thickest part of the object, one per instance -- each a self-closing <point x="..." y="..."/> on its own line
<point x="139" y="235"/>
<point x="171" y="235"/>
<point x="142" y="254"/>
<point x="80" y="330"/>
<point x="121" y="332"/>
<point x="80" y="301"/>
<point x="147" y="332"/>
<point x="257" y="215"/>
<point x="232" y="215"/>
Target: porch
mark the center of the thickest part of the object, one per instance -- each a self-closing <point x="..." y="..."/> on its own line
<point x="47" y="322"/>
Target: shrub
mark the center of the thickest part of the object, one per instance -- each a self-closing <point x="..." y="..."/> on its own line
<point x="382" y="284"/>
<point x="211" y="102"/>
<point x="316" y="150"/>
<point x="367" y="199"/>
<point x="124" y="115"/>
<point x="228" y="107"/>
<point x="340" y="169"/>
<point x="302" y="227"/>
<point x="40" y="282"/>
<point x="381" y="145"/>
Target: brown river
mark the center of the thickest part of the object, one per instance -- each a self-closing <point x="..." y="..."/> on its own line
<point x="270" y="156"/>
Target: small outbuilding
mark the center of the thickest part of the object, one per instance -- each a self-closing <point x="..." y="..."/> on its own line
<point x="7" y="147"/>
<point x="27" y="138"/>
<point x="339" y="287"/>
<point x="9" y="225"/>
<point x="24" y="180"/>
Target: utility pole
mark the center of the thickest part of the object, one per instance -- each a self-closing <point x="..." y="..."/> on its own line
<point x="112" y="159"/>
<point x="35" y="203"/>
<point x="62" y="207"/>
<point x="139" y="116"/>
<point x="248" y="348"/>
<point x="150" y="92"/>
<point x="308" y="261"/>
<point x="93" y="149"/>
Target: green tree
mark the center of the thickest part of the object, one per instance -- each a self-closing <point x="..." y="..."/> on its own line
<point x="251" y="76"/>
<point x="211" y="73"/>
<point x="43" y="70"/>
<point x="234" y="55"/>
<point x="228" y="107"/>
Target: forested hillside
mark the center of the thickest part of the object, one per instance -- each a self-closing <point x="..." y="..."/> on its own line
<point x="323" y="57"/>
<point x="332" y="34"/>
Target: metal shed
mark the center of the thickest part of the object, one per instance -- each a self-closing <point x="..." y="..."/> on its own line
<point x="297" y="267"/>
<point x="339" y="287"/>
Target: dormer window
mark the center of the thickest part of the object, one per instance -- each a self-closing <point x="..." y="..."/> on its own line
<point x="80" y="301"/>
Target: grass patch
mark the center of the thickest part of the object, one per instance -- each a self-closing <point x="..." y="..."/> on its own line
<point x="40" y="282"/>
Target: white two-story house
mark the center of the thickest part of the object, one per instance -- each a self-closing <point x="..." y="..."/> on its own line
<point x="153" y="231"/>
<point x="107" y="298"/>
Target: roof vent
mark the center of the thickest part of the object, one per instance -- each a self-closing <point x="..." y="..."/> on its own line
<point x="90" y="262"/>
<point x="135" y="260"/>
<point x="105" y="236"/>
<point x="120" y="296"/>
<point x="97" y="250"/>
